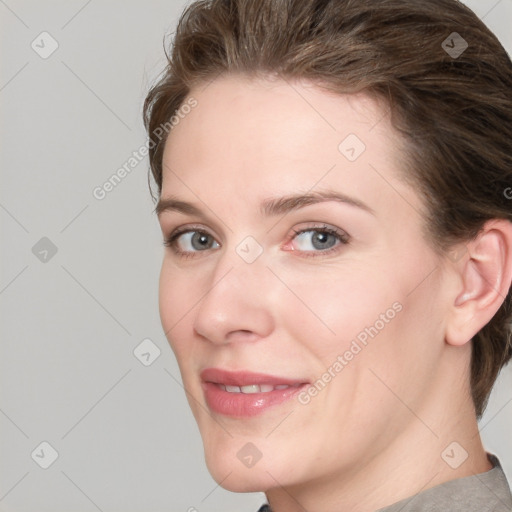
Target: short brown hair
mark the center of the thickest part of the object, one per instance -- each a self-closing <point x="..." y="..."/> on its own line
<point x="453" y="111"/>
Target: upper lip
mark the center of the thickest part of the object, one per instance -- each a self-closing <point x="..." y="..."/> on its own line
<point x="244" y="378"/>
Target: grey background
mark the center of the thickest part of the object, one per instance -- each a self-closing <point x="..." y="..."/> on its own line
<point x="125" y="437"/>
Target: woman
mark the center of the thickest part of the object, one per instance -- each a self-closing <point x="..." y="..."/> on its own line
<point x="338" y="263"/>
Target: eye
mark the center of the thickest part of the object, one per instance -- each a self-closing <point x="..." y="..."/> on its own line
<point x="190" y="241"/>
<point x="322" y="239"/>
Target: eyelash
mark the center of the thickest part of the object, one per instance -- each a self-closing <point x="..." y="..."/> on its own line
<point x="342" y="237"/>
<point x="170" y="241"/>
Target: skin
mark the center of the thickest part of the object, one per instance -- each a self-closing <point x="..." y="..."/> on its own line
<point x="376" y="432"/>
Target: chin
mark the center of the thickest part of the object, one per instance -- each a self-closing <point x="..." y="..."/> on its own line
<point x="233" y="475"/>
<point x="239" y="479"/>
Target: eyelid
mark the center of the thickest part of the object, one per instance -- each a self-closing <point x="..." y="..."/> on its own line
<point x="185" y="228"/>
<point x="326" y="228"/>
<point x="320" y="226"/>
<point x="343" y="238"/>
<point x="171" y="239"/>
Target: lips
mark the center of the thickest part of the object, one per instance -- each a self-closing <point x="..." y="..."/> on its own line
<point x="242" y="378"/>
<point x="243" y="393"/>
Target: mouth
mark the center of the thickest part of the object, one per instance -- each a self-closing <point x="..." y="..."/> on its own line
<point x="244" y="394"/>
<point x="254" y="388"/>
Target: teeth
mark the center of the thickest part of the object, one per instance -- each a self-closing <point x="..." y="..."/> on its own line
<point x="253" y="388"/>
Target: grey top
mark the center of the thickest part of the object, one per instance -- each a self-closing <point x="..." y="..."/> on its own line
<point x="484" y="492"/>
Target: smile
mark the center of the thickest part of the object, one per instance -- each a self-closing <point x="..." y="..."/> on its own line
<point x="245" y="394"/>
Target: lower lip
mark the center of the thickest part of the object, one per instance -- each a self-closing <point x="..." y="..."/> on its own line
<point x="246" y="404"/>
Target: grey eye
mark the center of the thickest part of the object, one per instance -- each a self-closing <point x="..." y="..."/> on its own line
<point x="315" y="239"/>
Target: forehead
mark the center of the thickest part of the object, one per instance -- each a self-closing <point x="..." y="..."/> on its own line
<point x="278" y="113"/>
<point x="273" y="136"/>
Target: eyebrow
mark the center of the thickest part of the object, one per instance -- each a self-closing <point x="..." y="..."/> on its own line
<point x="272" y="206"/>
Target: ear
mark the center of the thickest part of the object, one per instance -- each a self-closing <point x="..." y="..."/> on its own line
<point x="485" y="276"/>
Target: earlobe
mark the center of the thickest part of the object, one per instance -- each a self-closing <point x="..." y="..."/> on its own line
<point x="485" y="279"/>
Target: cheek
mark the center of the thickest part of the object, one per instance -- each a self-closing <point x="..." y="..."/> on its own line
<point x="177" y="296"/>
<point x="166" y="298"/>
<point x="331" y="307"/>
<point x="373" y="317"/>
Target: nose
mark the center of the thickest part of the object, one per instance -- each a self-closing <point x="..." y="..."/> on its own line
<point x="238" y="303"/>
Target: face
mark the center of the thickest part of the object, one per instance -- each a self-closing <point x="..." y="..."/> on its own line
<point x="296" y="267"/>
